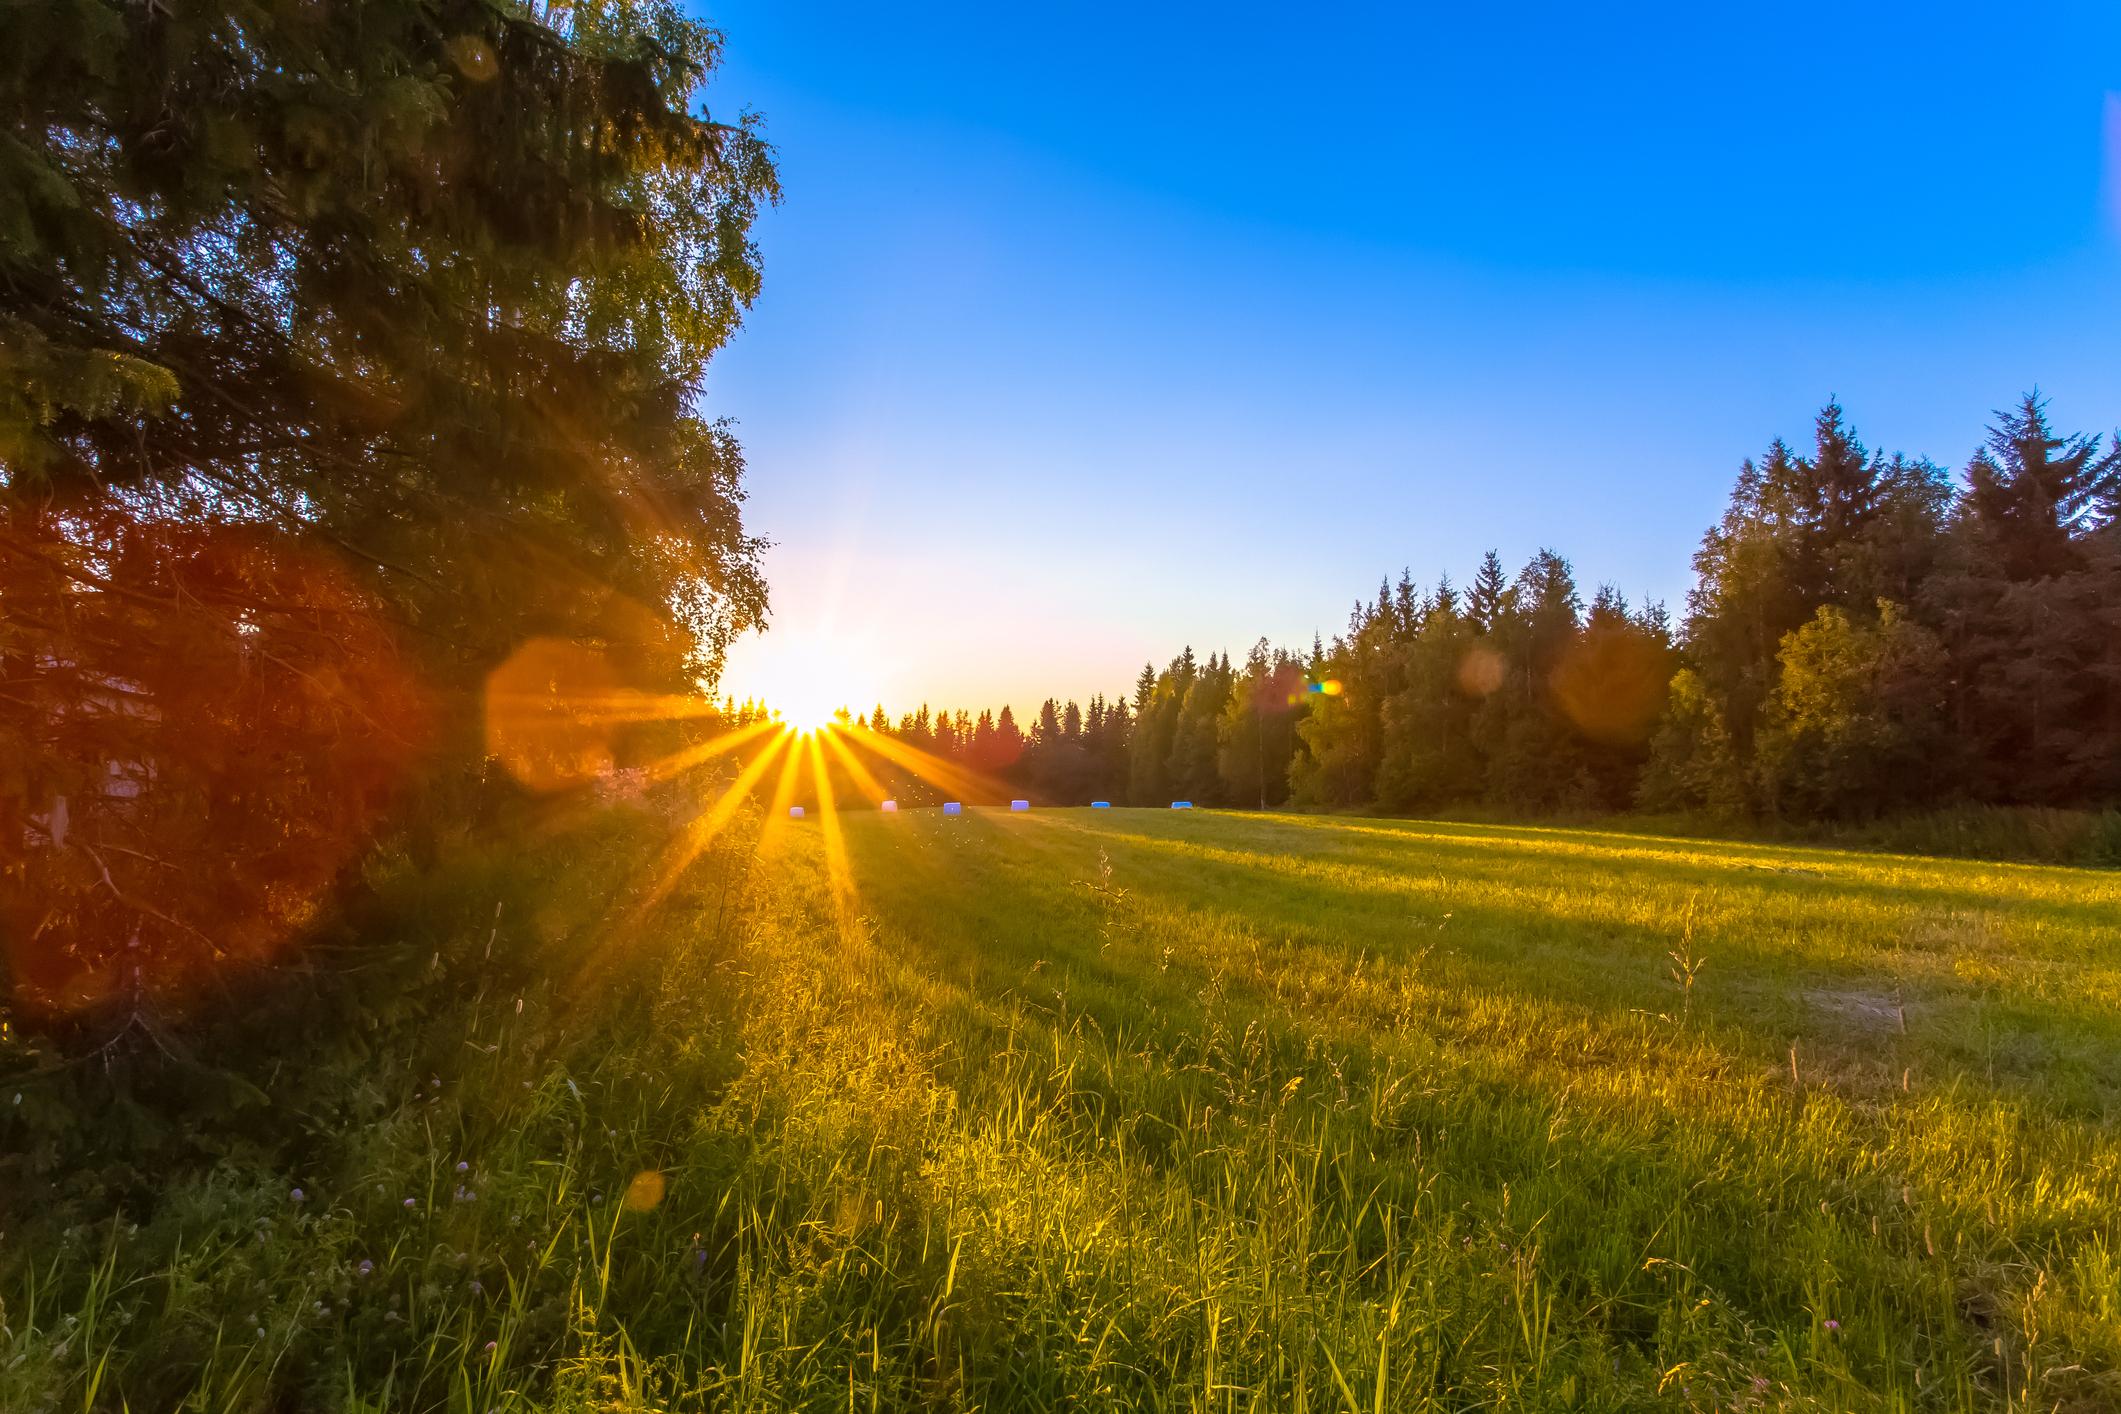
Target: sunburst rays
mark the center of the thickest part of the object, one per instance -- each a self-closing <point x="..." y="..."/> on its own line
<point x="837" y="869"/>
<point x="555" y="713"/>
<point x="933" y="769"/>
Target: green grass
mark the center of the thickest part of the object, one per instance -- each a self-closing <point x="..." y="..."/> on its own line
<point x="1187" y="1111"/>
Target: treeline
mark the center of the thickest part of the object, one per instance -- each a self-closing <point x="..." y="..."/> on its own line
<point x="1866" y="635"/>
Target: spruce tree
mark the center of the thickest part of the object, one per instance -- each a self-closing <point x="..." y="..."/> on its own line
<point x="1484" y="595"/>
<point x="2030" y="493"/>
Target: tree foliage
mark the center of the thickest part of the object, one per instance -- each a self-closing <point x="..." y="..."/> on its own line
<point x="1866" y="637"/>
<point x="345" y="348"/>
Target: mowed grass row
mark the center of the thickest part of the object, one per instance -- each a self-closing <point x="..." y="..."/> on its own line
<point x="1183" y="1111"/>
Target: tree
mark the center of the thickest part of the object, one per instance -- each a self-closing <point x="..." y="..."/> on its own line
<point x="1842" y="527"/>
<point x="1485" y="594"/>
<point x="1257" y="736"/>
<point x="1856" y="715"/>
<point x="2026" y="599"/>
<point x="431" y="286"/>
<point x="2030" y="493"/>
<point x="349" y="344"/>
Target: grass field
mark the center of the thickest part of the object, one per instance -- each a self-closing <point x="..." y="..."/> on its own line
<point x="1187" y="1111"/>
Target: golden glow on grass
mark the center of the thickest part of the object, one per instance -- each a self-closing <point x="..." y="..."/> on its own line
<point x="783" y="792"/>
<point x="701" y="832"/>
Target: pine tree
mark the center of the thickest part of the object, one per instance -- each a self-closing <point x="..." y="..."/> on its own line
<point x="1484" y="597"/>
<point x="2030" y="493"/>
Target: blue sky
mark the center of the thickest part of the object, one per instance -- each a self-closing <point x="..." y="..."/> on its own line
<point x="1092" y="332"/>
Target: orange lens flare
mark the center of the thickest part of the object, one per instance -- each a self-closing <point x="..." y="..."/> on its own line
<point x="548" y="714"/>
<point x="165" y="664"/>
<point x="556" y="709"/>
<point x="645" y="1191"/>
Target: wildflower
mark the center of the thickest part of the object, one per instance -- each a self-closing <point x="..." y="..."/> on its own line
<point x="493" y="1345"/>
<point x="261" y="1330"/>
<point x="296" y="1195"/>
<point x="365" y="1268"/>
<point x="477" y="1290"/>
<point x="1833" y="1325"/>
<point x="412" y="1202"/>
<point x="463" y="1167"/>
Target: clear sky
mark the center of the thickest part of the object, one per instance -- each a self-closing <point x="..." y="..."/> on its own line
<point x="1093" y="331"/>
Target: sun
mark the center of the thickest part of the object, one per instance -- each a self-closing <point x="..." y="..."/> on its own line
<point x="811" y="704"/>
<point x="809" y="712"/>
<point x="807" y="675"/>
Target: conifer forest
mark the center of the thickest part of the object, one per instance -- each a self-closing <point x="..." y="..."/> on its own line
<point x="1867" y="635"/>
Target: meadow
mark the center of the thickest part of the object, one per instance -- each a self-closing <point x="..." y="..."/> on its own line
<point x="1152" y="1110"/>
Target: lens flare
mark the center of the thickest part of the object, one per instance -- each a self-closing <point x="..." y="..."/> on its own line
<point x="645" y="1191"/>
<point x="549" y="714"/>
<point x="1480" y="673"/>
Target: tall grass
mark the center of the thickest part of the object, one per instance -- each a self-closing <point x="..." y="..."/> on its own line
<point x="1183" y="1113"/>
